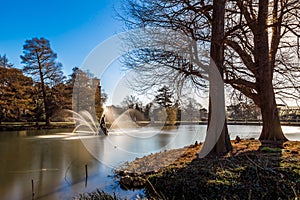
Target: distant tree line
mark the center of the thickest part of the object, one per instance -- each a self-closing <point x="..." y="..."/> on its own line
<point x="40" y="91"/>
<point x="164" y="108"/>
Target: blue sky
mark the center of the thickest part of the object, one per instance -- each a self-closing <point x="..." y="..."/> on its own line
<point x="74" y="28"/>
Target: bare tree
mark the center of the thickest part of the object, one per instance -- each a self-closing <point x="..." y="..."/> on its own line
<point x="223" y="144"/>
<point x="131" y="102"/>
<point x="184" y="55"/>
<point x="258" y="40"/>
<point x="172" y="58"/>
<point x="259" y="49"/>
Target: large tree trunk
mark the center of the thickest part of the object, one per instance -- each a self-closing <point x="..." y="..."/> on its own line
<point x="46" y="106"/>
<point x="271" y="124"/>
<point x="45" y="100"/>
<point x="223" y="144"/>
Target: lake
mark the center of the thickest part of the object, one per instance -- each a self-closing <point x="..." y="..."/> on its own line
<point x="55" y="159"/>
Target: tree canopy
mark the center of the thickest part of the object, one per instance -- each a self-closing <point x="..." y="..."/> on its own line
<point x="16" y="102"/>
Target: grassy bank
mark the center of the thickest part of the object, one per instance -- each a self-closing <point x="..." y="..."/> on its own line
<point x="252" y="171"/>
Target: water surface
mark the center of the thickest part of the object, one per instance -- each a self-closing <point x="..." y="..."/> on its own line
<point x="55" y="159"/>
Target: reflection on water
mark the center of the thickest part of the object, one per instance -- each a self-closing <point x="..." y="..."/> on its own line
<point x="55" y="159"/>
<point x="56" y="164"/>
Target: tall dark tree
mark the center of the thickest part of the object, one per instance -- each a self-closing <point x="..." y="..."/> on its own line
<point x="262" y="54"/>
<point x="271" y="123"/>
<point x="168" y="106"/>
<point x="40" y="62"/>
<point x="164" y="97"/>
<point x="100" y="98"/>
<point x="223" y="144"/>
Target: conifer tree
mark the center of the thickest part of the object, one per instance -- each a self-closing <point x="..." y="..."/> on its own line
<point x="40" y="62"/>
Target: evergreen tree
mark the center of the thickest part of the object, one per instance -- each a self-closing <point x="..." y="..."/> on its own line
<point x="169" y="110"/>
<point x="164" y="97"/>
<point x="40" y="62"/>
<point x="98" y="99"/>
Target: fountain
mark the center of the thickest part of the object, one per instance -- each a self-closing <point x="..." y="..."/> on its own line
<point x="85" y="123"/>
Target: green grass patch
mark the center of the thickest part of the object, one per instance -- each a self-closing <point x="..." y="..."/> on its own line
<point x="270" y="150"/>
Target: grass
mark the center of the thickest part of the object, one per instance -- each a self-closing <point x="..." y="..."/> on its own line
<point x="270" y="150"/>
<point x="252" y="172"/>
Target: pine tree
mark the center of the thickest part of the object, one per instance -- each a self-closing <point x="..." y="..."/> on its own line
<point x="40" y="62"/>
<point x="164" y="97"/>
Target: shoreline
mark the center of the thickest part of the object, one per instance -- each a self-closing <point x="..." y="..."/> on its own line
<point x="20" y="126"/>
<point x="229" y="122"/>
<point x="252" y="170"/>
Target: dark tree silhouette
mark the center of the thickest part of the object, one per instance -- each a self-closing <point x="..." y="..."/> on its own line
<point x="261" y="54"/>
<point x="164" y="97"/>
<point x="223" y="144"/>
